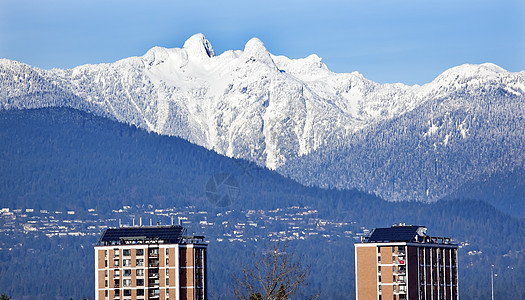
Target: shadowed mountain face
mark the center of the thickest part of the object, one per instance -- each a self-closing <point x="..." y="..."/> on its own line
<point x="63" y="159"/>
<point x="299" y="118"/>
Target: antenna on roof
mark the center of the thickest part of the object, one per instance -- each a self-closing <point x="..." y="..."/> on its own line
<point x="140" y="221"/>
<point x="150" y="223"/>
<point x="119" y="223"/>
<point x="180" y="223"/>
<point x="133" y="222"/>
<point x="172" y="220"/>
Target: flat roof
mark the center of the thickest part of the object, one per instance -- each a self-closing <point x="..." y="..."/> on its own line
<point x="402" y="233"/>
<point x="167" y="234"/>
<point x="394" y="234"/>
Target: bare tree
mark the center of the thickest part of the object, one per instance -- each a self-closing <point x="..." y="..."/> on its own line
<point x="275" y="274"/>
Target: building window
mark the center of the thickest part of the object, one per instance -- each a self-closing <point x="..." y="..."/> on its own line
<point x="126" y="262"/>
<point x="127" y="292"/>
<point x="167" y="251"/>
<point x="126" y="282"/>
<point x="117" y="252"/>
<point x="167" y="261"/>
<point x="106" y="283"/>
<point x="126" y="252"/>
<point x="140" y="292"/>
<point x="116" y="263"/>
<point x="140" y="282"/>
<point x="140" y="252"/>
<point x="127" y="272"/>
<point x="167" y="281"/>
<point x="167" y="272"/>
<point x="140" y="272"/>
<point x="140" y="262"/>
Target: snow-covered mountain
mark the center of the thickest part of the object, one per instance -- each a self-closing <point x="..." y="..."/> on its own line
<point x="298" y="117"/>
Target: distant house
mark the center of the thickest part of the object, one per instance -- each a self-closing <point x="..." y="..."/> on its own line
<point x="402" y="262"/>
<point x="151" y="262"/>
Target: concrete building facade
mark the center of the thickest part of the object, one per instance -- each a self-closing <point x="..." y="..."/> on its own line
<point x="153" y="262"/>
<point x="402" y="262"/>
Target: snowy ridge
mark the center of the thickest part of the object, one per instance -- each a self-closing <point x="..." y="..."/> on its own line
<point x="249" y="103"/>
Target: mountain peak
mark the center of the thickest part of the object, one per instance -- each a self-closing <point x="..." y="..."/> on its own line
<point x="255" y="45"/>
<point x="198" y="46"/>
<point x="485" y="70"/>
<point x="256" y="50"/>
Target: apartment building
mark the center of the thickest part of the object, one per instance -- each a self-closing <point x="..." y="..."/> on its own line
<point x="403" y="262"/>
<point x="150" y="262"/>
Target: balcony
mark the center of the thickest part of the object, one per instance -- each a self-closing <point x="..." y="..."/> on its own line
<point x="153" y="275"/>
<point x="154" y="294"/>
<point x="401" y="271"/>
<point x="154" y="283"/>
<point x="153" y="253"/>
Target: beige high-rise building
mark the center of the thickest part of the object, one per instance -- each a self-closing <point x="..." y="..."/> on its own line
<point x="150" y="262"/>
<point x="402" y="262"/>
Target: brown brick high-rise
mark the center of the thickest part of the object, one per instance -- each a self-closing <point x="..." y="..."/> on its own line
<point x="402" y="262"/>
<point x="150" y="263"/>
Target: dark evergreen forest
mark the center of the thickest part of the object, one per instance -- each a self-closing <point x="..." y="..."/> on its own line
<point x="63" y="159"/>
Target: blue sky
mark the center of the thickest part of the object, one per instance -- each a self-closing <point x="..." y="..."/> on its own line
<point x="387" y="41"/>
